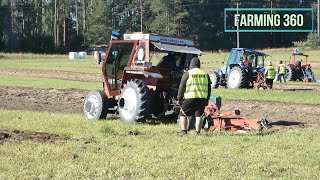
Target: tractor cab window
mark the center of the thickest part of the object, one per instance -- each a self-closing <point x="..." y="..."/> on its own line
<point x="254" y="60"/>
<point x="113" y="56"/>
<point x="259" y="61"/>
<point x="140" y="58"/>
<point x="117" y="60"/>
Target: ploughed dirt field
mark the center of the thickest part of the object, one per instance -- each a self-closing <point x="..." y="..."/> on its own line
<point x="71" y="101"/>
<point x="17" y="135"/>
<point x="281" y="115"/>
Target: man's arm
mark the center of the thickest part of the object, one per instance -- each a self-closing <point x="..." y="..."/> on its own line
<point x="265" y="73"/>
<point x="182" y="86"/>
<point x="209" y="87"/>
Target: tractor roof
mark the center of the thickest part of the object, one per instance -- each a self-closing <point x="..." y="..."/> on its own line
<point x="161" y="39"/>
<point x="300" y="54"/>
<point x="250" y="51"/>
<point x="166" y="43"/>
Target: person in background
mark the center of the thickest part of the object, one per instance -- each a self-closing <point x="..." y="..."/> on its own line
<point x="170" y="61"/>
<point x="269" y="74"/>
<point x="245" y="62"/>
<point x="281" y="72"/>
<point x="193" y="95"/>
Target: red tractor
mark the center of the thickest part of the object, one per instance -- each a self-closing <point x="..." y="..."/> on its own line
<point x="297" y="71"/>
<point x="133" y="86"/>
<point x="137" y="90"/>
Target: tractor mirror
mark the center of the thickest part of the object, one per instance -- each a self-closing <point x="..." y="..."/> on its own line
<point x="237" y="112"/>
<point x="140" y="55"/>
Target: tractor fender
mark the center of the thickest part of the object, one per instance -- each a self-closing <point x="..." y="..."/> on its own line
<point x="261" y="70"/>
<point x="244" y="67"/>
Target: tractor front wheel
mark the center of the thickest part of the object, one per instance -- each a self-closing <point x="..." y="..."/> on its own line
<point x="237" y="78"/>
<point x="95" y="106"/>
<point x="133" y="105"/>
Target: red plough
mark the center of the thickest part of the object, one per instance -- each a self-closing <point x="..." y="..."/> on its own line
<point x="231" y="121"/>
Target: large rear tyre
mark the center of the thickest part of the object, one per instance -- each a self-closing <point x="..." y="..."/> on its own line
<point x="237" y="78"/>
<point x="95" y="106"/>
<point x="289" y="74"/>
<point x="133" y="105"/>
<point x="214" y="78"/>
<point x="276" y="78"/>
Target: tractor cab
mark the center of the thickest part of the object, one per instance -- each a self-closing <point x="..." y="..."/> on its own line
<point x="245" y="58"/>
<point x="241" y="70"/>
<point x="134" y="85"/>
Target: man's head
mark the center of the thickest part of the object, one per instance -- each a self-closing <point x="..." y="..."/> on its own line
<point x="280" y="62"/>
<point x="176" y="55"/>
<point x="195" y="63"/>
<point x="252" y="57"/>
<point x="269" y="63"/>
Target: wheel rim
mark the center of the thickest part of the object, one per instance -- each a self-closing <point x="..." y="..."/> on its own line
<point x="129" y="104"/>
<point x="91" y="106"/>
<point x="212" y="79"/>
<point x="234" y="79"/>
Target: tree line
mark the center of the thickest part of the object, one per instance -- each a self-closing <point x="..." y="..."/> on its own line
<point x="59" y="26"/>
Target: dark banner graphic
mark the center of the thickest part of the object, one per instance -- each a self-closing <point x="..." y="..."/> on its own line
<point x="269" y="20"/>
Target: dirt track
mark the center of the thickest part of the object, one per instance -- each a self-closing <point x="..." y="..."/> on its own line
<point x="17" y="135"/>
<point x="71" y="101"/>
<point x="52" y="100"/>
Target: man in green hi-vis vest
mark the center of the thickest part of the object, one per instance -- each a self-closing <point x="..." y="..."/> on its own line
<point x="281" y="72"/>
<point x="270" y="74"/>
<point x="193" y="95"/>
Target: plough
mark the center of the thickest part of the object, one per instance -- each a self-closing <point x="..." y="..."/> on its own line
<point x="230" y="121"/>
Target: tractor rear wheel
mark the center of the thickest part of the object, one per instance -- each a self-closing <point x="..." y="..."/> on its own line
<point x="133" y="105"/>
<point x="290" y="74"/>
<point x="237" y="78"/>
<point x="214" y="78"/>
<point x="95" y="106"/>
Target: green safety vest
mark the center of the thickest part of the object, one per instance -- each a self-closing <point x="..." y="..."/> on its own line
<point x="282" y="68"/>
<point x="271" y="72"/>
<point x="197" y="84"/>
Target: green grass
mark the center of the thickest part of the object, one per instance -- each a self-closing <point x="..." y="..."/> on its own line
<point x="154" y="153"/>
<point x="61" y="62"/>
<point x="46" y="83"/>
<point x="298" y="97"/>
<point x="274" y="55"/>
<point x="106" y="149"/>
<point x="48" y="62"/>
<point x="214" y="60"/>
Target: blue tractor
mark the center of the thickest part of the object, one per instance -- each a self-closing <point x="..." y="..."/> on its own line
<point x="244" y="69"/>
